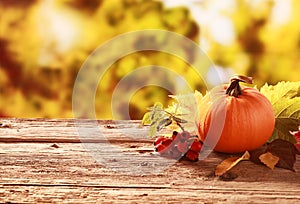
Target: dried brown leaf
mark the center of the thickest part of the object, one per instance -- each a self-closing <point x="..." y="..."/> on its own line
<point x="269" y="159"/>
<point x="229" y="163"/>
<point x="257" y="152"/>
<point x="284" y="150"/>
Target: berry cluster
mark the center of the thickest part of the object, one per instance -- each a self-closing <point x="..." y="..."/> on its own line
<point x="180" y="145"/>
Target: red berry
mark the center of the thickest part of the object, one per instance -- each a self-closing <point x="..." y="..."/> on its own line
<point x="196" y="146"/>
<point x="182" y="147"/>
<point x="192" y="156"/>
<point x="159" y="140"/>
<point x="164" y="148"/>
<point x="175" y="154"/>
<point x="185" y="135"/>
<point x="167" y="142"/>
<point x="174" y="135"/>
<point x="179" y="139"/>
<point x="296" y="134"/>
<point x="160" y="148"/>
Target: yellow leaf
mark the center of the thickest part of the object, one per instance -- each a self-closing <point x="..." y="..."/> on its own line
<point x="269" y="159"/>
<point x="229" y="163"/>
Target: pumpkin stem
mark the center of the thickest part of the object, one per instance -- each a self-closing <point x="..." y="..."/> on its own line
<point x="234" y="88"/>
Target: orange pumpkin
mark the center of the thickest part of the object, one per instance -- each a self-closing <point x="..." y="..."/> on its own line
<point x="234" y="119"/>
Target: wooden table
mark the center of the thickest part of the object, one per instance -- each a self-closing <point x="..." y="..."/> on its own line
<point x="46" y="161"/>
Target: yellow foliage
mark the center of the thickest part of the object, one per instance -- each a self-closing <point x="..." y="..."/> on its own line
<point x="43" y="45"/>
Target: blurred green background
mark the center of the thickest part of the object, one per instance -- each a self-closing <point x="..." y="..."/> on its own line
<point x="43" y="44"/>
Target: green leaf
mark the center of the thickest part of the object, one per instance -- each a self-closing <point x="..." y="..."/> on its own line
<point x="163" y="123"/>
<point x="157" y="111"/>
<point x="183" y="111"/>
<point x="187" y="107"/>
<point x="281" y="90"/>
<point x="154" y="118"/>
<point x="285" y="99"/>
<point x="146" y="119"/>
<point x="152" y="130"/>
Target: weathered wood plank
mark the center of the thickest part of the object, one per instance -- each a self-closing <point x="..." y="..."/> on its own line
<point x="65" y="131"/>
<point x="33" y="170"/>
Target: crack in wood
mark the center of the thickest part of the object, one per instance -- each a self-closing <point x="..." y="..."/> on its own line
<point x="89" y="185"/>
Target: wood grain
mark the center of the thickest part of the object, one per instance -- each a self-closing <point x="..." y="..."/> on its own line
<point x="47" y="161"/>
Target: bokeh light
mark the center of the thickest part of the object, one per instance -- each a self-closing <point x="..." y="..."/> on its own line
<point x="43" y="44"/>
